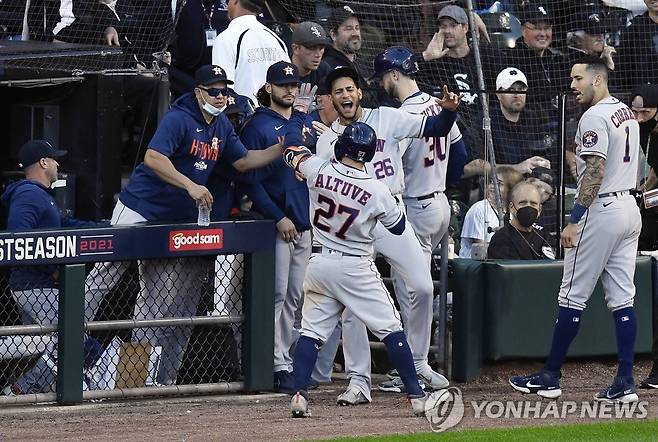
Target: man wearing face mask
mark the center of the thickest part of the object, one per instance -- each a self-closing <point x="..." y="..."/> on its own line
<point x="519" y="239"/>
<point x="645" y="108"/>
<point x="193" y="138"/>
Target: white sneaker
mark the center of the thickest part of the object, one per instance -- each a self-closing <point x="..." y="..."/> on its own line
<point x="299" y="406"/>
<point x="418" y="405"/>
<point x="433" y="380"/>
<point x="352" y="396"/>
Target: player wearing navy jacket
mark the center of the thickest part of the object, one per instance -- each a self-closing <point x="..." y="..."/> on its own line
<point x="35" y="288"/>
<point x="280" y="196"/>
<point x="169" y="186"/>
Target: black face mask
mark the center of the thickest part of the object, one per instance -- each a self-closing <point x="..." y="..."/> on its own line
<point x="648" y="126"/>
<point x="527" y="216"/>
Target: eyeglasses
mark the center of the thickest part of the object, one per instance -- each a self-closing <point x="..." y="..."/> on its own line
<point x="216" y="91"/>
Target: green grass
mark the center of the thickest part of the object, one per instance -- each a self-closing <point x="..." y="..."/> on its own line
<point x="636" y="430"/>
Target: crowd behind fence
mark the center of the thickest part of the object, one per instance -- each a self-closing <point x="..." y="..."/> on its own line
<point x="517" y="54"/>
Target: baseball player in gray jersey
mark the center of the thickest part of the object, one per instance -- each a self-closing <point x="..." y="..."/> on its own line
<point x="403" y="252"/>
<point x="602" y="235"/>
<point x="425" y="165"/>
<point x="346" y="204"/>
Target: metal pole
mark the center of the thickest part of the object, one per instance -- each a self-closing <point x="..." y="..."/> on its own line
<point x="561" y="189"/>
<point x="163" y="322"/>
<point x="486" y="121"/>
<point x="442" y="326"/>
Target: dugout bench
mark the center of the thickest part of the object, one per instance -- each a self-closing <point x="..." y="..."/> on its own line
<point x="506" y="310"/>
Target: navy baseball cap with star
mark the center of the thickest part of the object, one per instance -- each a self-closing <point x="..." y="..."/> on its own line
<point x="282" y="73"/>
<point x="210" y="74"/>
<point x="32" y="151"/>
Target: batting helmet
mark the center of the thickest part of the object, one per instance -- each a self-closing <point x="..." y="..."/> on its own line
<point x="396" y="58"/>
<point x="357" y="142"/>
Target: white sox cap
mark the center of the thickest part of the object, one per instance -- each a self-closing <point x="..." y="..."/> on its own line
<point x="508" y="76"/>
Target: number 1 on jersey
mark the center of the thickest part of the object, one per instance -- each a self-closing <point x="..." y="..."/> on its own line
<point x="627" y="154"/>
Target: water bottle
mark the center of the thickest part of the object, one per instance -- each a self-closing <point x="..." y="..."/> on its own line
<point x="204" y="216"/>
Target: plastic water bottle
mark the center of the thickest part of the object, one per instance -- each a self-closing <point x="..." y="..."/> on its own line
<point x="204" y="216"/>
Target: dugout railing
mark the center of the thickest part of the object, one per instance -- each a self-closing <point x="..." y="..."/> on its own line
<point x="91" y="351"/>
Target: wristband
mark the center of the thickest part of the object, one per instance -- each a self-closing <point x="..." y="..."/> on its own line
<point x="576" y="213"/>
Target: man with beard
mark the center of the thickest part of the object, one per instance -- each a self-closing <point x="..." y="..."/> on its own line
<point x="602" y="235"/>
<point x="517" y="141"/>
<point x="345" y="31"/>
<point x="393" y="127"/>
<point x="309" y="41"/>
<point x="278" y="195"/>
<point x="428" y="164"/>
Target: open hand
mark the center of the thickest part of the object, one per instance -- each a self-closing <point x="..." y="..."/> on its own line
<point x="435" y="48"/>
<point x="305" y="97"/>
<point x="449" y="101"/>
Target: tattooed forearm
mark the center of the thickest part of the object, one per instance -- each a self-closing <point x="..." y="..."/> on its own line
<point x="591" y="181"/>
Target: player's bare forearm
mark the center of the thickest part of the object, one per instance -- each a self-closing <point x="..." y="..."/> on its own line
<point x="258" y="158"/>
<point x="591" y="181"/>
<point x="162" y="166"/>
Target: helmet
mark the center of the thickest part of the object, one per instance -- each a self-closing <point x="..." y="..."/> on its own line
<point x="396" y="58"/>
<point x="357" y="142"/>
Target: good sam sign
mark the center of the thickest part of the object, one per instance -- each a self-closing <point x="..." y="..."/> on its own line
<point x="186" y="240"/>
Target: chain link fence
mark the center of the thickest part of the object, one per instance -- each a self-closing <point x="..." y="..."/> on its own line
<point x="184" y="348"/>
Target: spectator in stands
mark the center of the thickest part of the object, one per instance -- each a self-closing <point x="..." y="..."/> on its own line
<point x="517" y="135"/>
<point x="280" y="196"/>
<point x="199" y="23"/>
<point x="169" y="186"/>
<point x="247" y="48"/>
<point x="87" y="22"/>
<point x="345" y="31"/>
<point x="520" y="238"/>
<point x="325" y="112"/>
<point x="309" y="41"/>
<point x="545" y="67"/>
<point x="644" y="105"/>
<point x="587" y="36"/>
<point x="481" y="220"/>
<point x="638" y="51"/>
<point x="448" y="59"/>
<point x="35" y="288"/>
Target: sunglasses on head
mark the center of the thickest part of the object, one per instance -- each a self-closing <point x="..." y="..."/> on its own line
<point x="216" y="91"/>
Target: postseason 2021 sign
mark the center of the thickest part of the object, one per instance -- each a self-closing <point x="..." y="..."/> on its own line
<point x="140" y="241"/>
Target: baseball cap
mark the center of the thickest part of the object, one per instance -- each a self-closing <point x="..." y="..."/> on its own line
<point x="210" y="74"/>
<point x="340" y="72"/>
<point x="339" y="15"/>
<point x="322" y="87"/>
<point x="508" y="76"/>
<point x="649" y="94"/>
<point x="34" y="150"/>
<point x="282" y="72"/>
<point x="590" y="22"/>
<point x="454" y="12"/>
<point x="535" y="13"/>
<point x="310" y="34"/>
